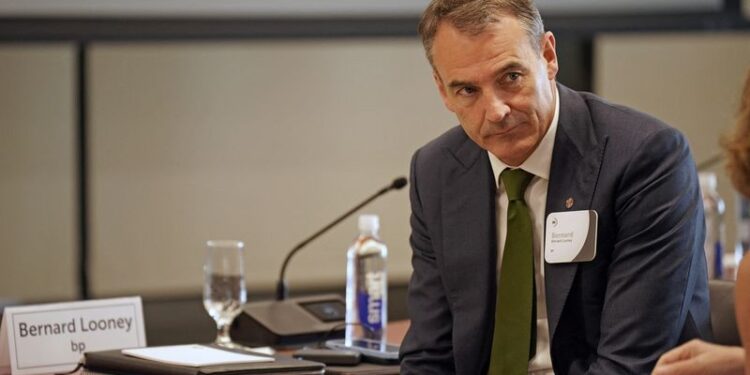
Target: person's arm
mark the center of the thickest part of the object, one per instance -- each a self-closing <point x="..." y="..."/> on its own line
<point x="698" y="357"/>
<point x="427" y="347"/>
<point x="742" y="307"/>
<point x="657" y="259"/>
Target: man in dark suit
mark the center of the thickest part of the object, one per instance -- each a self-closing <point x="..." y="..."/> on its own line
<point x="483" y="296"/>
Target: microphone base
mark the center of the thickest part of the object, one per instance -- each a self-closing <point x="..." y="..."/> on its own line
<point x="291" y="322"/>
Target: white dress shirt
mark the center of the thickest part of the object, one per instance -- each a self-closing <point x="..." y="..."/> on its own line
<point x="538" y="164"/>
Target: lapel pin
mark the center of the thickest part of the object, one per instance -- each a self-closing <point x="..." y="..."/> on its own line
<point x="569" y="203"/>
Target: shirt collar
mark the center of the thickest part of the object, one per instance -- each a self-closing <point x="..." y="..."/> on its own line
<point x="538" y="163"/>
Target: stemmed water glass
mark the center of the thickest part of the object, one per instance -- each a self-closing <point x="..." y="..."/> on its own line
<point x="224" y="285"/>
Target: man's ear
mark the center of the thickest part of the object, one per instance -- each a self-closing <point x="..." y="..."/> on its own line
<point x="441" y="90"/>
<point x="549" y="55"/>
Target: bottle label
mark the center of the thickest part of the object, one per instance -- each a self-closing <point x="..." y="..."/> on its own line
<point x="744" y="208"/>
<point x="718" y="258"/>
<point x="370" y="302"/>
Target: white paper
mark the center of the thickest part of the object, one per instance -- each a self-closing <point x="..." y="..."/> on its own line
<point x="193" y="355"/>
<point x="263" y="350"/>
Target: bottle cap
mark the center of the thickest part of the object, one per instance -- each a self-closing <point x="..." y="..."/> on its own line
<point x="707" y="180"/>
<point x="369" y="223"/>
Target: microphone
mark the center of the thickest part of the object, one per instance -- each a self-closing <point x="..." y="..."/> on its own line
<point x="282" y="292"/>
<point x="288" y="322"/>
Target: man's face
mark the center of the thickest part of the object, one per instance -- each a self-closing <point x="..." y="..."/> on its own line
<point x="498" y="84"/>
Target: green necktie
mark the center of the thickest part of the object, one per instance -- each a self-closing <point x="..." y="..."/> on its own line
<point x="511" y="341"/>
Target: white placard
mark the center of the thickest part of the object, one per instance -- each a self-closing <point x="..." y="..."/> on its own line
<point x="42" y="339"/>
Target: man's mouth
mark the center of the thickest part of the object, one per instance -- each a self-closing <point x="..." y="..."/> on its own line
<point x="503" y="130"/>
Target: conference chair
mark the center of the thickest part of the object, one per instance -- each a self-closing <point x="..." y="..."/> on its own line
<point x="723" y="319"/>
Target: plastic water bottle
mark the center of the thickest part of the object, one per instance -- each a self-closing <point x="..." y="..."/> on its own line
<point x="731" y="261"/>
<point x="714" y="209"/>
<point x="367" y="284"/>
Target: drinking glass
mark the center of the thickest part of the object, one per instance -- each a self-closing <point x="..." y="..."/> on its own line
<point x="224" y="285"/>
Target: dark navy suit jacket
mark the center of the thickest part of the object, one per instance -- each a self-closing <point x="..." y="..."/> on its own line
<point x="646" y="290"/>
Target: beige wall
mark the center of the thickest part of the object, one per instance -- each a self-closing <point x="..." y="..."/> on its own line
<point x="37" y="175"/>
<point x="264" y="142"/>
<point x="259" y="141"/>
<point x="692" y="81"/>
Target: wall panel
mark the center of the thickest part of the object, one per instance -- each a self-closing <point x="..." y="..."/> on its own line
<point x="259" y="141"/>
<point x="37" y="172"/>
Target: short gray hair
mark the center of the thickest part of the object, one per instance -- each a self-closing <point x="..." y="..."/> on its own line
<point x="473" y="16"/>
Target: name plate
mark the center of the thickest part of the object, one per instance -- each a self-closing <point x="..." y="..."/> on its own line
<point x="49" y="338"/>
<point x="571" y="236"/>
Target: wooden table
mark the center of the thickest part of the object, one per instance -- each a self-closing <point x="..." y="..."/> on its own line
<point x="396" y="331"/>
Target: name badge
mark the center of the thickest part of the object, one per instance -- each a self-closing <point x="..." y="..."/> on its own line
<point x="571" y="236"/>
<point x="50" y="338"/>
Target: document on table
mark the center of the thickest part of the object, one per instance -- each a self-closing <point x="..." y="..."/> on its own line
<point x="193" y="355"/>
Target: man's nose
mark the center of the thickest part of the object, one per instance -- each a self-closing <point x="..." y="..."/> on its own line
<point x="496" y="108"/>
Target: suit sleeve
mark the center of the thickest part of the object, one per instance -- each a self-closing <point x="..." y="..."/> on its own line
<point x="657" y="259"/>
<point x="427" y="347"/>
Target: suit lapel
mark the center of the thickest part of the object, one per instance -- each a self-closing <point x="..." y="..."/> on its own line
<point x="576" y="161"/>
<point x="468" y="213"/>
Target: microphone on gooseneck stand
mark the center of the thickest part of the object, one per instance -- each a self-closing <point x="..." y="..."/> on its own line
<point x="282" y="291"/>
<point x="294" y="321"/>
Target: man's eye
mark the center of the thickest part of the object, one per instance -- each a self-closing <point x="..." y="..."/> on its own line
<point x="513" y="76"/>
<point x="467" y="91"/>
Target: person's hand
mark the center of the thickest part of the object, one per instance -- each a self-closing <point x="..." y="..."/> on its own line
<point x="699" y="357"/>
